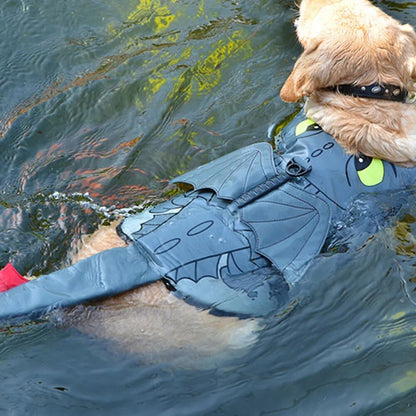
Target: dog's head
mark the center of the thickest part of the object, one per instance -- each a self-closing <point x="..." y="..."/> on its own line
<point x="349" y="42"/>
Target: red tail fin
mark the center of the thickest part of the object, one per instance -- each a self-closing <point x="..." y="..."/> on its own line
<point x="10" y="277"/>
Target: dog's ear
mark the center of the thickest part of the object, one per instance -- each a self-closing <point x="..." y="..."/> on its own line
<point x="303" y="80"/>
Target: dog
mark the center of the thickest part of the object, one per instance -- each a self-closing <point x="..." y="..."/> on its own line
<point x="151" y="320"/>
<point x="346" y="42"/>
<point x="357" y="72"/>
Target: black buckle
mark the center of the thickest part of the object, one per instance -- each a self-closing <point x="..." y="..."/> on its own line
<point x="296" y="170"/>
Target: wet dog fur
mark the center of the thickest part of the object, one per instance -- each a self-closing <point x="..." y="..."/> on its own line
<point x="354" y="42"/>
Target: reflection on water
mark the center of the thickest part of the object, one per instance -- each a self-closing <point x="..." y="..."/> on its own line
<point x="115" y="98"/>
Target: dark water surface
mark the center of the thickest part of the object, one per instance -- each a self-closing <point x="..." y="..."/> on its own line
<point x="101" y="102"/>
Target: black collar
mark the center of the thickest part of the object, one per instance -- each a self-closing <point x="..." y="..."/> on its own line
<point x="377" y="91"/>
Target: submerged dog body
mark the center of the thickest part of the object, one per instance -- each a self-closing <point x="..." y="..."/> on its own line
<point x="352" y="42"/>
<point x="153" y="322"/>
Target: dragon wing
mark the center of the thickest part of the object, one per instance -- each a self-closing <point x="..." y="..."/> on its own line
<point x="199" y="241"/>
<point x="234" y="174"/>
<point x="290" y="225"/>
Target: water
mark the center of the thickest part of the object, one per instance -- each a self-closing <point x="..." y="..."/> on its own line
<point x="113" y="99"/>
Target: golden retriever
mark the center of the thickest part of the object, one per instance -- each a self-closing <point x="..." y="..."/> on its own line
<point x="345" y="42"/>
<point x="352" y="42"/>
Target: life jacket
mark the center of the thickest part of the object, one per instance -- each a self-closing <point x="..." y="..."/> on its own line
<point x="240" y="240"/>
<point x="257" y="216"/>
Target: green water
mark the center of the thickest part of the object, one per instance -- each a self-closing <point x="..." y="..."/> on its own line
<point x="101" y="103"/>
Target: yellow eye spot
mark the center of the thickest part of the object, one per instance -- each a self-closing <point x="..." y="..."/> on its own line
<point x="303" y="126"/>
<point x="370" y="171"/>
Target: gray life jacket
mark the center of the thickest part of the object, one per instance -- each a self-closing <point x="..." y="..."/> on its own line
<point x="238" y="242"/>
<point x="256" y="217"/>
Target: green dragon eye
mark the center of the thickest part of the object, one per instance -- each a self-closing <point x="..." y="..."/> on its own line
<point x="369" y="170"/>
<point x="306" y="125"/>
